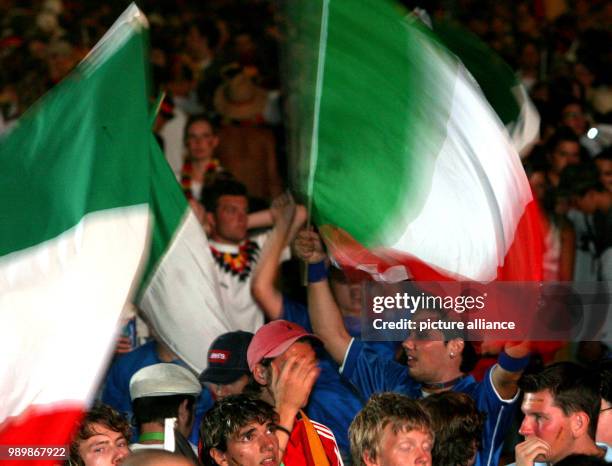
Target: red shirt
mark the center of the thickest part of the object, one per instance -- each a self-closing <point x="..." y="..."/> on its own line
<point x="298" y="451"/>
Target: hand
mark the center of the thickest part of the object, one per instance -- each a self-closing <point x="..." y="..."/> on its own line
<point x="300" y="217"/>
<point x="283" y="209"/>
<point x="491" y="347"/>
<point x="531" y="450"/>
<point x="517" y="350"/>
<point x="124" y="345"/>
<point x="292" y="382"/>
<point x="308" y="247"/>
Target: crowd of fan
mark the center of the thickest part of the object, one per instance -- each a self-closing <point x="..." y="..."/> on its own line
<point x="302" y="389"/>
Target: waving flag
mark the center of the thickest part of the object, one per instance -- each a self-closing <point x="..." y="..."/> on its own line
<point x="498" y="82"/>
<point x="179" y="293"/>
<point x="83" y="190"/>
<point x="407" y="169"/>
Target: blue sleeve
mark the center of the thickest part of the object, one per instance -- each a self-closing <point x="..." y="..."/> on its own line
<point x="500" y="414"/>
<point x="116" y="392"/>
<point x="371" y="373"/>
<point x="329" y="393"/>
<point x="296" y="312"/>
<point x="203" y="404"/>
<point x="386" y="349"/>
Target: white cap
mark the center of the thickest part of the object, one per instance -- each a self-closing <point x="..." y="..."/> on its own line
<point x="163" y="379"/>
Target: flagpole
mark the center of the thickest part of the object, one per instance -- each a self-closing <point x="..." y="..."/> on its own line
<point x="314" y="139"/>
<point x="157" y="106"/>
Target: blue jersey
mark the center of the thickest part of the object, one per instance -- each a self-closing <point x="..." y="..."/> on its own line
<point x="370" y="373"/>
<point x="333" y="402"/>
<point x="116" y="392"/>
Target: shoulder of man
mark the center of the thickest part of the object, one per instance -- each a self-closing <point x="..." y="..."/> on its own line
<point x="298" y="449"/>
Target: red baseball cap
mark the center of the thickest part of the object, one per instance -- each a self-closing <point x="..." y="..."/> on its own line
<point x="273" y="339"/>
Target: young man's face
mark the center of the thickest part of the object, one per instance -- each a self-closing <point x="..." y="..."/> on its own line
<point x="586" y="203"/>
<point x="428" y="355"/>
<point x="604" y="167"/>
<point x="201" y="140"/>
<point x="408" y="448"/>
<point x="300" y="352"/>
<point x="548" y="423"/>
<point x="106" y="448"/>
<point x="573" y="117"/>
<point x="229" y="221"/>
<point x="348" y="296"/>
<point x="233" y="388"/>
<point x="253" y="444"/>
<point x="300" y="349"/>
<point x="564" y="154"/>
<point x="537" y="181"/>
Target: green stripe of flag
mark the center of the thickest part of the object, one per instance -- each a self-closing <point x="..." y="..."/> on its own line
<point x="169" y="206"/>
<point x="374" y="118"/>
<point x="407" y="148"/>
<point x="49" y="181"/>
<point x="493" y="74"/>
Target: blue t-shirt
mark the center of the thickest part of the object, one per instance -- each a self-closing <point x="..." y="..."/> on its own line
<point x="333" y="402"/>
<point x="369" y="373"/>
<point x="116" y="392"/>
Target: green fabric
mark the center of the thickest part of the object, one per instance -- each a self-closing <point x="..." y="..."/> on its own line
<point x="145" y="437"/>
<point x="377" y="138"/>
<point x="168" y="205"/>
<point x="79" y="149"/>
<point x="493" y="74"/>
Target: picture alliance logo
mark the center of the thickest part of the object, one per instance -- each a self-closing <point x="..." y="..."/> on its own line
<point x="413" y="303"/>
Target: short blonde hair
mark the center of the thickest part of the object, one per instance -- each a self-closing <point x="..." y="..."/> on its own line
<point x="399" y="411"/>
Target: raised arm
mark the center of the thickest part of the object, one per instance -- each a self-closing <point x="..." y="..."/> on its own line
<point x="263" y="283"/>
<point x="510" y="368"/>
<point x="325" y="315"/>
<point x="260" y="219"/>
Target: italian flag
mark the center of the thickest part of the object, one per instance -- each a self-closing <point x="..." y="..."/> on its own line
<point x="407" y="169"/>
<point x="91" y="215"/>
<point x="498" y="82"/>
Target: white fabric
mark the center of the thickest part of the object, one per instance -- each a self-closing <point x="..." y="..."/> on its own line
<point x="525" y="131"/>
<point x="552" y="253"/>
<point x="60" y="301"/>
<point x="478" y="192"/>
<point x="172" y="134"/>
<point x="185" y="281"/>
<point x="163" y="379"/>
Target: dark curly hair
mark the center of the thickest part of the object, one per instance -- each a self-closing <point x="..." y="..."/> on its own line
<point x="227" y="417"/>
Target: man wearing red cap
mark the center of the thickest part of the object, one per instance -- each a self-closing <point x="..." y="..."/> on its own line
<point x="284" y="368"/>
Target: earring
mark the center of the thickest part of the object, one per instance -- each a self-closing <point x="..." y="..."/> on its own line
<point x="452" y="355"/>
